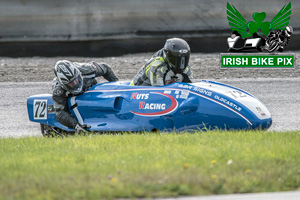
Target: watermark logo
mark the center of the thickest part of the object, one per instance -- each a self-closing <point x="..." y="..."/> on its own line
<point x="259" y="36"/>
<point x="238" y="23"/>
<point x="257" y="60"/>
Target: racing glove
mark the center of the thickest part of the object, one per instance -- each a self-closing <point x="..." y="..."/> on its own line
<point x="81" y="128"/>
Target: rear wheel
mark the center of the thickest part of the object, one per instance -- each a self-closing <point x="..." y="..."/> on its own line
<point x="273" y="46"/>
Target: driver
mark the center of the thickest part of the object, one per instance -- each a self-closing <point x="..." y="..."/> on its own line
<point x="72" y="79"/>
<point x="168" y="65"/>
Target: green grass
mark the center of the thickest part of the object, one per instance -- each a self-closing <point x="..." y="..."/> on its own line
<point x="149" y="165"/>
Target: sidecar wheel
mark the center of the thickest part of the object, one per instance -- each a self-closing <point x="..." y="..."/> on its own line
<point x="49" y="131"/>
<point x="259" y="49"/>
<point x="45" y="131"/>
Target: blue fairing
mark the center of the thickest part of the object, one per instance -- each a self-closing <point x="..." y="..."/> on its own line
<point x="116" y="106"/>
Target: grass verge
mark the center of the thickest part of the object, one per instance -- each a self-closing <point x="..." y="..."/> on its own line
<point x="149" y="165"/>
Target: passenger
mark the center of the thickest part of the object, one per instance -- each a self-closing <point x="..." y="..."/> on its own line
<point x="73" y="79"/>
<point x="168" y="65"/>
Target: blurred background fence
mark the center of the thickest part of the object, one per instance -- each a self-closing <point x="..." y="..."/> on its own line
<point x="116" y="27"/>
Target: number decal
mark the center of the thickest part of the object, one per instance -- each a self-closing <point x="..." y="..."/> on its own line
<point x="237" y="94"/>
<point x="39" y="109"/>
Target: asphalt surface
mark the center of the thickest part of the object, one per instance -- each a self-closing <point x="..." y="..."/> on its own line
<point x="205" y="66"/>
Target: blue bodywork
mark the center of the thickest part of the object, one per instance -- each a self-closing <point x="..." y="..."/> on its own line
<point x="116" y="106"/>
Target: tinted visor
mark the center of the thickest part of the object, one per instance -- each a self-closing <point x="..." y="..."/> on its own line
<point x="179" y="62"/>
<point x="75" y="85"/>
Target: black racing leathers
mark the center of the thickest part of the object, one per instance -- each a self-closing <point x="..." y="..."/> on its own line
<point x="60" y="95"/>
<point x="156" y="72"/>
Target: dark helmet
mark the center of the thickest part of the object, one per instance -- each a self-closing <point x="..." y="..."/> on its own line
<point x="69" y="76"/>
<point x="288" y="31"/>
<point x="177" y="53"/>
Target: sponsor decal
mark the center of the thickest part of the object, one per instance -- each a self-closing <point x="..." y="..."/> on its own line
<point x="136" y="95"/>
<point x="152" y="106"/>
<point x="156" y="109"/>
<point x="261" y="111"/>
<point x="185" y="86"/>
<point x="202" y="91"/>
<point x="51" y="109"/>
<point x="229" y="103"/>
<point x="184" y="94"/>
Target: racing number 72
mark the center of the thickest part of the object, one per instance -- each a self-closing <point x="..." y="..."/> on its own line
<point x="237" y="94"/>
<point x="39" y="109"/>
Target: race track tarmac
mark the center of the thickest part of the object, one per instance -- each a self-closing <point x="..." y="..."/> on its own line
<point x="280" y="95"/>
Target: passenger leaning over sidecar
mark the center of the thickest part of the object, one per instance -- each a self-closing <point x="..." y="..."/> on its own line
<point x="73" y="79"/>
<point x="168" y="65"/>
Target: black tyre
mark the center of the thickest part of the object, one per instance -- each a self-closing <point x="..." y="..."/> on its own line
<point x="44" y="130"/>
<point x="273" y="46"/>
<point x="259" y="49"/>
<point x="50" y="131"/>
<point x="280" y="49"/>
